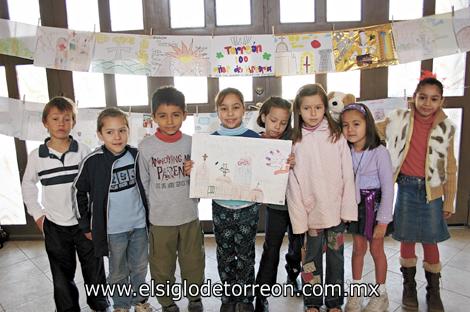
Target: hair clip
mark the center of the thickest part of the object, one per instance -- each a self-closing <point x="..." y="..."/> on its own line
<point x="355" y="106"/>
<point x="425" y="74"/>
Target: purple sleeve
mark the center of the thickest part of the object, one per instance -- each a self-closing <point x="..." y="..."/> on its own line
<point x="384" y="165"/>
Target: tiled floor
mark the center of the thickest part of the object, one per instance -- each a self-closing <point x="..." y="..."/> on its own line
<point x="25" y="277"/>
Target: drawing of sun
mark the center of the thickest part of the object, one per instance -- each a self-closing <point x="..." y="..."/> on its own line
<point x="187" y="59"/>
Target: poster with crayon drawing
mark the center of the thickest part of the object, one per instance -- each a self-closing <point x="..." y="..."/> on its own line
<point x="17" y="39"/>
<point x="238" y="168"/>
<point x="462" y="29"/>
<point x="380" y="108"/>
<point x="209" y="122"/>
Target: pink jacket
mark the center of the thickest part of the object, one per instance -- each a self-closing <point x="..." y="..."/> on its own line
<point x="320" y="191"/>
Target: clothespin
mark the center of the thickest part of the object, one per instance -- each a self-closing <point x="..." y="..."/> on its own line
<point x="453" y="11"/>
<point x="94" y="28"/>
<point x="212" y="34"/>
<point x="39" y="21"/>
<point x="197" y="109"/>
<point x="272" y="29"/>
<point x="24" y="99"/>
<point x="130" y="108"/>
<point x="151" y="31"/>
<point x="392" y="19"/>
<point x="333" y="30"/>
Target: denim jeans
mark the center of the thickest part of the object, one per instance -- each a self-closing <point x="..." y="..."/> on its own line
<point x="332" y="241"/>
<point x="128" y="261"/>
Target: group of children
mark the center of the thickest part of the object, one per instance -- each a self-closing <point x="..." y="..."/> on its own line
<point x="133" y="205"/>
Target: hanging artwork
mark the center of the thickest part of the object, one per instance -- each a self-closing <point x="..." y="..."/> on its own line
<point x="121" y="54"/>
<point x="249" y="55"/>
<point x="238" y="168"/>
<point x="462" y="28"/>
<point x="17" y="39"/>
<point x="180" y="56"/>
<point x="304" y="54"/>
<point x="60" y="48"/>
<point x="209" y="122"/>
<point x="365" y="47"/>
<point x="424" y="38"/>
<point x="380" y="108"/>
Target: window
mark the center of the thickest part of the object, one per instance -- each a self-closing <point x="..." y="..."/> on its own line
<point x="32" y="83"/>
<point x="18" y="13"/>
<point x="187" y="13"/>
<point x="131" y="90"/>
<point x="346" y="82"/>
<point x="405" y="9"/>
<point x="193" y="88"/>
<point x="11" y="200"/>
<point x="450" y="70"/>
<point x="403" y="79"/>
<point x="339" y="10"/>
<point x="3" y="82"/>
<point x="233" y="12"/>
<point x="291" y="84"/>
<point x="126" y="15"/>
<point x="297" y="11"/>
<point x="444" y="6"/>
<point x="77" y="10"/>
<point x="244" y="84"/>
<point x="89" y="89"/>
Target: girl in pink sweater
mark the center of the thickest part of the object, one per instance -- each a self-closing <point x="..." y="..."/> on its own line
<point x="320" y="196"/>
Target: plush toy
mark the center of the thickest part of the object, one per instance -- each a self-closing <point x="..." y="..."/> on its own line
<point x="337" y="101"/>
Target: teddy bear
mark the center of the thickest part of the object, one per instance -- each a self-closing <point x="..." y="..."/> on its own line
<point x="337" y="101"/>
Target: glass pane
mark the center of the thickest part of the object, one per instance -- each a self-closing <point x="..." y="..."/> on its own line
<point x="76" y="10"/>
<point x="244" y="84"/>
<point x="11" y="201"/>
<point x="3" y="82"/>
<point x="450" y="70"/>
<point x="346" y="82"/>
<point x="131" y="90"/>
<point x="18" y="13"/>
<point x="297" y="11"/>
<point x="291" y="84"/>
<point x="126" y="15"/>
<point x="444" y="6"/>
<point x="403" y="77"/>
<point x="32" y="83"/>
<point x="187" y="13"/>
<point x="405" y="9"/>
<point x="233" y="12"/>
<point x="193" y="88"/>
<point x="340" y="10"/>
<point x="89" y="89"/>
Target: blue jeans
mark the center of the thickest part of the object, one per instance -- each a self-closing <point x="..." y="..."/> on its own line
<point x="128" y="261"/>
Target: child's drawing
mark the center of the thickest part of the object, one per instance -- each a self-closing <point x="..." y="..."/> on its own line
<point x="238" y="168"/>
<point x="17" y="39"/>
<point x="462" y="28"/>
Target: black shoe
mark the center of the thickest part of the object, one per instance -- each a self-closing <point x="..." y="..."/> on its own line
<point x="227" y="307"/>
<point x="261" y="304"/>
<point x="245" y="307"/>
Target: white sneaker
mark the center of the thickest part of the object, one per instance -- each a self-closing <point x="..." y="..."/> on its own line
<point x="377" y="304"/>
<point x="143" y="307"/>
<point x="354" y="304"/>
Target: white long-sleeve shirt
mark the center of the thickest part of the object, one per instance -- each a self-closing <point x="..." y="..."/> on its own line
<point x="56" y="173"/>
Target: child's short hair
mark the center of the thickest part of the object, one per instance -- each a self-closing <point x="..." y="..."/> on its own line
<point x="223" y="93"/>
<point x="372" y="135"/>
<point x="63" y="104"/>
<point x="429" y="81"/>
<point x="168" y="95"/>
<point x="110" y="112"/>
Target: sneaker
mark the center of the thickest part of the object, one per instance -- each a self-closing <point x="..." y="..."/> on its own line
<point x="354" y="304"/>
<point x="143" y="307"/>
<point x="171" y="308"/>
<point x="195" y="306"/>
<point x="377" y="304"/>
<point x="121" y="310"/>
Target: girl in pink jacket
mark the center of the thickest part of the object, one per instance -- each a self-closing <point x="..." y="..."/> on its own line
<point x="320" y="196"/>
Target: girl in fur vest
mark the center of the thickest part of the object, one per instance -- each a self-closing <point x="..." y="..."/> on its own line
<point x="421" y="145"/>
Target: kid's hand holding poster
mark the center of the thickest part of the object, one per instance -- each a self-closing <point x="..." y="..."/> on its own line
<point x="239" y="168"/>
<point x="250" y="55"/>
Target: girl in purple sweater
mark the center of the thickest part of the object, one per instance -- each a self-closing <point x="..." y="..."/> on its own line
<point x="374" y="193"/>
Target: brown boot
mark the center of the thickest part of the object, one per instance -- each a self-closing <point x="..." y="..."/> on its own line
<point x="433" y="295"/>
<point x="408" y="269"/>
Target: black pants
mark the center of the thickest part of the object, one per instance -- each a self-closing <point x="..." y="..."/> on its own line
<point x="62" y="245"/>
<point x="277" y="222"/>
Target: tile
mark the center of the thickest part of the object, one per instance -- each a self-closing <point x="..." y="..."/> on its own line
<point x="43" y="304"/>
<point x="24" y="291"/>
<point x="32" y="249"/>
<point x="455" y="280"/>
<point x="461" y="260"/>
<point x="22" y="271"/>
<point x="11" y="254"/>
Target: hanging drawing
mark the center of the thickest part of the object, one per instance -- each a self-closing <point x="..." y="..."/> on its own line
<point x="60" y="48"/>
<point x="365" y="47"/>
<point x="239" y="168"/>
<point x="180" y="56"/>
<point x="249" y="55"/>
<point x="304" y="54"/>
<point x="121" y="54"/>
<point x="380" y="108"/>
<point x="17" y="39"/>
<point x="462" y="28"/>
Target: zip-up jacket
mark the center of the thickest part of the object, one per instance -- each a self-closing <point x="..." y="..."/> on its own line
<point x="91" y="190"/>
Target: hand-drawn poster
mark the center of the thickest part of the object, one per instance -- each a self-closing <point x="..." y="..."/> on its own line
<point x="424" y="38"/>
<point x="85" y="129"/>
<point x="304" y="54"/>
<point x="239" y="168"/>
<point x="32" y="128"/>
<point x="121" y="54"/>
<point x="209" y="122"/>
<point x="462" y="28"/>
<point x="380" y="108"/>
<point x="180" y="56"/>
<point x="365" y="47"/>
<point x="17" y="39"/>
<point x="11" y="116"/>
<point x="60" y="48"/>
<point x="249" y="55"/>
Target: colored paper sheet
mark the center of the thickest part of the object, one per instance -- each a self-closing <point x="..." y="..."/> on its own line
<point x="17" y="39"/>
<point x="462" y="28"/>
<point x="380" y="108"/>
